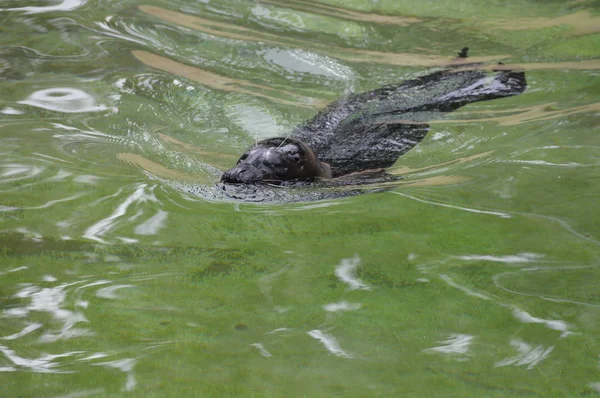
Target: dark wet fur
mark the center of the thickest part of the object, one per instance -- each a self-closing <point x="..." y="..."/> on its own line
<point x="274" y="160"/>
<point x="370" y="131"/>
<point x="373" y="129"/>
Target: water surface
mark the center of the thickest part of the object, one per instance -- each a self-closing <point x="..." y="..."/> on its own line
<point x="476" y="276"/>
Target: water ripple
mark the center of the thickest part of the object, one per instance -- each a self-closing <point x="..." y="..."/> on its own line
<point x="142" y="194"/>
<point x="494" y="213"/>
<point x="63" y="99"/>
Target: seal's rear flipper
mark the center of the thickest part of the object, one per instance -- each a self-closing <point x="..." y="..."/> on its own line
<point x="457" y="88"/>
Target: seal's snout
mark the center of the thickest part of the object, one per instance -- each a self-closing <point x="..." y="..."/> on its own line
<point x="242" y="174"/>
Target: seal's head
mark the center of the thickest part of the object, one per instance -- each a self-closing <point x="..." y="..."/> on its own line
<point x="275" y="160"/>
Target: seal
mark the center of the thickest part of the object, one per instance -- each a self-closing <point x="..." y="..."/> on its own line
<point x="368" y="132"/>
<point x="274" y="160"/>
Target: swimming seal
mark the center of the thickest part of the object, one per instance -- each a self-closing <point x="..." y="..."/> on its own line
<point x="370" y="131"/>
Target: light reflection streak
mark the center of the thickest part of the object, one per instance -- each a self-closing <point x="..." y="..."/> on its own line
<point x="25" y="331"/>
<point x="153" y="224"/>
<point x="493" y="213"/>
<point x="14" y="169"/>
<point x="469" y="292"/>
<point x="342" y="306"/>
<point x="53" y="202"/>
<point x="86" y="134"/>
<point x="454" y="344"/>
<point x="278" y="330"/>
<point x="109" y="292"/>
<point x="554" y="324"/>
<point x="345" y="273"/>
<point x="66" y="5"/>
<point x="111" y="32"/>
<point x="103" y="198"/>
<point x="344" y="13"/>
<point x="544" y="163"/>
<point x="330" y="343"/>
<point x="261" y="348"/>
<point x="511" y="259"/>
<point x="43" y="364"/>
<point x="316" y="206"/>
<point x="60" y="176"/>
<point x="102" y="227"/>
<point x="528" y="355"/>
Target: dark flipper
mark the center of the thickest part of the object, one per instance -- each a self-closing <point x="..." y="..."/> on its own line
<point x="371" y="130"/>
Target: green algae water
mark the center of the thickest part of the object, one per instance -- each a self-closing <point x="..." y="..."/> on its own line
<point x="476" y="276"/>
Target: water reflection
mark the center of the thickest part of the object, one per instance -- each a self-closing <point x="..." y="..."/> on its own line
<point x="579" y="23"/>
<point x="536" y="113"/>
<point x="528" y="355"/>
<point x="216" y="81"/>
<point x="345" y="272"/>
<point x="470" y="210"/>
<point x="342" y="306"/>
<point x="329" y="342"/>
<point x="344" y="13"/>
<point x="63" y="99"/>
<point x="66" y="5"/>
<point x="299" y="61"/>
<point x="459" y="344"/>
<point x="142" y="194"/>
<point x="64" y="302"/>
<point x="236" y="32"/>
<point x="263" y="351"/>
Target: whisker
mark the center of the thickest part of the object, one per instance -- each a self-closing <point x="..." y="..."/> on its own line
<point x="283" y="142"/>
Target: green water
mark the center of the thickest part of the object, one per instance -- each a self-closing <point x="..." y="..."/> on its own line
<point x="478" y="276"/>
